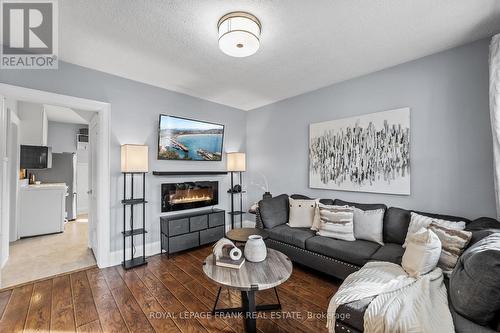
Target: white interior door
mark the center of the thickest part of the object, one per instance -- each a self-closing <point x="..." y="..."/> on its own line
<point x="82" y="188"/>
<point x="93" y="179"/>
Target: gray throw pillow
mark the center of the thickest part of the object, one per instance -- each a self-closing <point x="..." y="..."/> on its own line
<point x="474" y="288"/>
<point x="274" y="211"/>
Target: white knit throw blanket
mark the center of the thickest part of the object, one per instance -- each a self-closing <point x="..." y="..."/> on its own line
<point x="401" y="303"/>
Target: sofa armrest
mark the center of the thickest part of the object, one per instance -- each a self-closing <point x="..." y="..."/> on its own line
<point x="464" y="325"/>
<point x="258" y="219"/>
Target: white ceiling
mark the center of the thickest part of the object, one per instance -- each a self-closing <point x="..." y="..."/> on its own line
<point x="305" y="45"/>
<point x="63" y="114"/>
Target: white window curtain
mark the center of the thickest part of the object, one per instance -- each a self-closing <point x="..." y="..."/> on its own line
<point x="495" y="112"/>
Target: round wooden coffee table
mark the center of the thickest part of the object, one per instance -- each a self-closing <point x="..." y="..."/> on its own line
<point x="251" y="277"/>
<point x="240" y="235"/>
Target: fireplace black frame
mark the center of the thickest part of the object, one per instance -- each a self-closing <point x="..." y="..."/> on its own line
<point x="166" y="189"/>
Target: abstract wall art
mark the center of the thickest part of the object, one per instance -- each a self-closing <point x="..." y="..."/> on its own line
<point x="367" y="153"/>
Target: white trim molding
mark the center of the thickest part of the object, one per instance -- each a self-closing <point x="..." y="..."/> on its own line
<point x="151" y="249"/>
<point x="103" y="255"/>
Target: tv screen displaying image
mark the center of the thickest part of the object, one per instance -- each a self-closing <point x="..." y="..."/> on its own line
<point x="188" y="139"/>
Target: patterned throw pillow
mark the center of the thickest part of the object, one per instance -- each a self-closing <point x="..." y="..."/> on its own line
<point x="418" y="221"/>
<point x="335" y="222"/>
<point x="302" y="212"/>
<point x="453" y="243"/>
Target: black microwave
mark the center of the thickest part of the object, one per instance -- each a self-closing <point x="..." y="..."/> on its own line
<point x="36" y="157"/>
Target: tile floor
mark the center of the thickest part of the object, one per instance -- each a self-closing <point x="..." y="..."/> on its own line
<point x="39" y="257"/>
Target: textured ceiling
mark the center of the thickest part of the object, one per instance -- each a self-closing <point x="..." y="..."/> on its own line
<point x="305" y="45"/>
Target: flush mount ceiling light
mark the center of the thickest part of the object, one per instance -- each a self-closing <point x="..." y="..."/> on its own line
<point x="239" y="34"/>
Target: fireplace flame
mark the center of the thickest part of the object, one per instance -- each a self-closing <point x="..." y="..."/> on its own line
<point x="176" y="199"/>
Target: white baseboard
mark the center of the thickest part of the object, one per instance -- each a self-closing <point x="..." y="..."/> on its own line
<point x="116" y="257"/>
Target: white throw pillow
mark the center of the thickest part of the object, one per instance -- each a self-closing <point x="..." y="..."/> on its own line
<point x="335" y="222"/>
<point x="301" y="213"/>
<point x="422" y="253"/>
<point x="369" y="225"/>
<point x="418" y="221"/>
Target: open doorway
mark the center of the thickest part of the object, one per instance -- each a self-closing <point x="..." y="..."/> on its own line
<point x="54" y="173"/>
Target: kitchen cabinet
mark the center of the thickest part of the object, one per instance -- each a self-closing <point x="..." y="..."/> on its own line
<point x="34" y="124"/>
<point x="42" y="209"/>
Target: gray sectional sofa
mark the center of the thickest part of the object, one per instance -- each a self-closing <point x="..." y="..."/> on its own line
<point x="340" y="258"/>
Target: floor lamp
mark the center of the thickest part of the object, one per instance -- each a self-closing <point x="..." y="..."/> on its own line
<point x="134" y="161"/>
<point x="236" y="163"/>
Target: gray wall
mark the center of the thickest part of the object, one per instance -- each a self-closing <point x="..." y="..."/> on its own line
<point x="451" y="144"/>
<point x="134" y="119"/>
<point x="62" y="136"/>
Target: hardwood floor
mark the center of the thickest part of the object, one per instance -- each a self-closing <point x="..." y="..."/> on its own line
<point x="167" y="295"/>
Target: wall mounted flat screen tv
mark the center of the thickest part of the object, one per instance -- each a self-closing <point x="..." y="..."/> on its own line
<point x="188" y="139"/>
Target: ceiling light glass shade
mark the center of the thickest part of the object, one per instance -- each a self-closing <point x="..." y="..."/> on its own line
<point x="239" y="34"/>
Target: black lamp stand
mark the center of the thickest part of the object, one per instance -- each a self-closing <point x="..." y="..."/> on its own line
<point x="132" y="232"/>
<point x="233" y="213"/>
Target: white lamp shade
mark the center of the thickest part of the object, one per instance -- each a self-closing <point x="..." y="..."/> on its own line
<point x="135" y="158"/>
<point x="236" y="162"/>
<point x="239" y="34"/>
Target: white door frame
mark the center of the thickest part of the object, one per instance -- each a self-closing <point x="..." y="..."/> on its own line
<point x="4" y="183"/>
<point x="14" y="120"/>
<point x="92" y="198"/>
<point x="104" y="174"/>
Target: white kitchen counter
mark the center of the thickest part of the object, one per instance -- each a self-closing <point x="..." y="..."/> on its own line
<point x="46" y="186"/>
<point x="43" y="209"/>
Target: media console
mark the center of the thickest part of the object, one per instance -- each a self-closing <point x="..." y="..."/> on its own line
<point x="185" y="231"/>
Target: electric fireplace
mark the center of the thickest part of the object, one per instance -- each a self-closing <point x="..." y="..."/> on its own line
<point x="179" y="196"/>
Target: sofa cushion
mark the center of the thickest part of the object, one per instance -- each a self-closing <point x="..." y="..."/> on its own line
<point x="356" y="252"/>
<point x="474" y="288"/>
<point x="353" y="313"/>
<point x="293" y="236"/>
<point x="477" y="235"/>
<point x="444" y="217"/>
<point x="274" y="211"/>
<point x="300" y="197"/>
<point x="327" y="201"/>
<point x="483" y="223"/>
<point x="464" y="325"/>
<point x="481" y="228"/>
<point x="338" y="202"/>
<point x="397" y="220"/>
<point x="391" y="252"/>
<point x="323" y="201"/>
